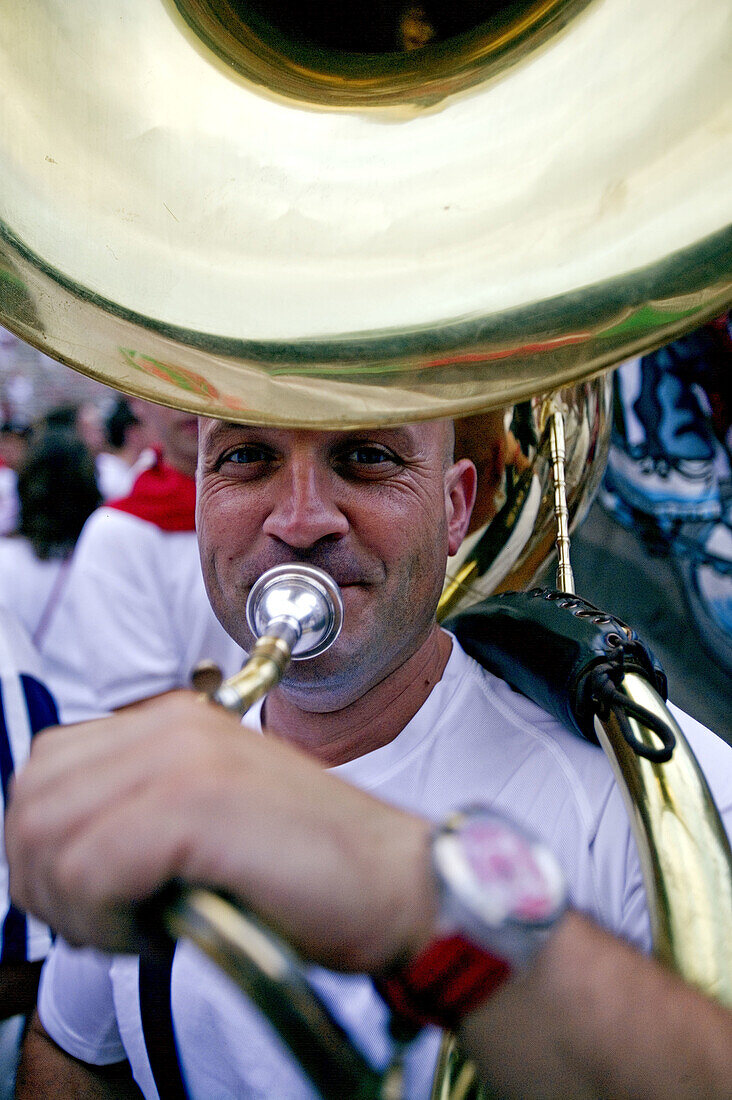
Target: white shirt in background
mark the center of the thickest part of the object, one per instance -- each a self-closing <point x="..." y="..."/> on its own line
<point x="134" y="619"/>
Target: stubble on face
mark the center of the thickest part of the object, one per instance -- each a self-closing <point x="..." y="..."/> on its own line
<point x="387" y="549"/>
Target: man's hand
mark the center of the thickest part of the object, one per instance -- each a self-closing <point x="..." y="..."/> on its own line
<point x="107" y="812"/>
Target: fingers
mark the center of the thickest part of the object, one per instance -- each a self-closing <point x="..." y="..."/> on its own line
<point x="107" y="813"/>
<point x="77" y="774"/>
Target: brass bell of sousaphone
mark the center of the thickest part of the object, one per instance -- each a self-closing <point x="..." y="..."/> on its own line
<point x="257" y="210"/>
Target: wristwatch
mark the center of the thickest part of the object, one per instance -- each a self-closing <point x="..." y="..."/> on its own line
<point x="500" y="894"/>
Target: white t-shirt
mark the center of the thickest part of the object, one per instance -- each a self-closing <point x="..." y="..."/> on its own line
<point x="474" y="740"/>
<point x="28" y="586"/>
<point x="134" y="619"/>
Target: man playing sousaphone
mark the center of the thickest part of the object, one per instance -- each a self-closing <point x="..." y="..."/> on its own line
<point x="394" y="706"/>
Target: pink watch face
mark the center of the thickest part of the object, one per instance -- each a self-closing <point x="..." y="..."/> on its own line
<point x="517" y="878"/>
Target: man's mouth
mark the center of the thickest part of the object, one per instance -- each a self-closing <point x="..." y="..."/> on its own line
<point x="344" y="574"/>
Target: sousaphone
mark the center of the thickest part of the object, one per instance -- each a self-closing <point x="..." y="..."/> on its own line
<point x="278" y="213"/>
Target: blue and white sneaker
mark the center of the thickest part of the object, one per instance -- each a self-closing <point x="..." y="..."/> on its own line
<point x="686" y="490"/>
<point x="663" y="459"/>
<point x="703" y="558"/>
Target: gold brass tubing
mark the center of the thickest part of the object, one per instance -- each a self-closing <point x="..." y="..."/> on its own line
<point x="455" y="587"/>
<point x="265" y="968"/>
<point x="455" y="1078"/>
<point x="565" y="577"/>
<point x="684" y="850"/>
<point x="270" y="973"/>
<point x="269" y="659"/>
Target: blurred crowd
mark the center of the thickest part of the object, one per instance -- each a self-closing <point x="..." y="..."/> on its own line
<point x="55" y="472"/>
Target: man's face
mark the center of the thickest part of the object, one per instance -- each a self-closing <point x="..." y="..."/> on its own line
<point x="378" y="509"/>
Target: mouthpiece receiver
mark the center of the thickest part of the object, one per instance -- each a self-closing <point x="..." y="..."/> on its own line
<point x="295" y="612"/>
<point x="300" y="604"/>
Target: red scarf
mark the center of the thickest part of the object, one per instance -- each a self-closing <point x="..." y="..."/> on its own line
<point x="162" y="495"/>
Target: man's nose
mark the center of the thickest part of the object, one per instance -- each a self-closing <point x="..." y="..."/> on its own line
<point x="305" y="510"/>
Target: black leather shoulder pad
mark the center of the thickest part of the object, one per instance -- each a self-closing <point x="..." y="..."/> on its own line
<point x="545" y="643"/>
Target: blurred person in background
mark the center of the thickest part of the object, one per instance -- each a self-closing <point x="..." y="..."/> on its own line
<point x="59" y="418"/>
<point x="127" y="451"/>
<point x="134" y="619"/>
<point x="13" y="448"/>
<point x="57" y="492"/>
<point x="84" y="419"/>
<point x="120" y="442"/>
<point x="90" y="426"/>
<point x="669" y="476"/>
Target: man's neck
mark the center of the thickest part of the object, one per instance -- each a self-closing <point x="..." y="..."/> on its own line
<point x="370" y="722"/>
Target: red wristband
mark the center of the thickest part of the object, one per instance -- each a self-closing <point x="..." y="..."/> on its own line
<point x="449" y="979"/>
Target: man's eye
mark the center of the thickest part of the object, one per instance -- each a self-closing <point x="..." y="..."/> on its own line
<point x="368" y="457"/>
<point x="246" y="455"/>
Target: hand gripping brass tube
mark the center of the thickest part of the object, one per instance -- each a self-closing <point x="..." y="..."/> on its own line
<point x="296" y="612"/>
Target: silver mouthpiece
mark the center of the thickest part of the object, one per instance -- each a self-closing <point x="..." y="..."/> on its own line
<point x="300" y="604"/>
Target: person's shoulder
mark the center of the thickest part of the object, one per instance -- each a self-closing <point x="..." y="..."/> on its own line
<point x="522" y="713"/>
<point x="507" y="750"/>
<point x="529" y="731"/>
<point x="107" y="517"/>
<point x="110" y="529"/>
<point x="698" y="734"/>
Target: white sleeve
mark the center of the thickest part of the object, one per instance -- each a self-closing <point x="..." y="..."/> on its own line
<point x="76" y="1005"/>
<point x="111" y="632"/>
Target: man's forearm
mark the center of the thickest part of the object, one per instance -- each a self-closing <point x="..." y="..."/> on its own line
<point x="594" y="1019"/>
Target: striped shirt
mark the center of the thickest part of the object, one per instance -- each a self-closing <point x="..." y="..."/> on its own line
<point x="26" y="706"/>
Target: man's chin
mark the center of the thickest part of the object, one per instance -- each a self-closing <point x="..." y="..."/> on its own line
<point x="330" y="681"/>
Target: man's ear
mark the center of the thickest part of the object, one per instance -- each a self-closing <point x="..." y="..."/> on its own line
<point x="461" y="483"/>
